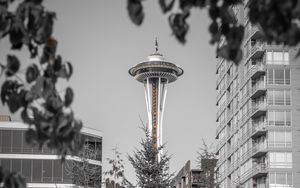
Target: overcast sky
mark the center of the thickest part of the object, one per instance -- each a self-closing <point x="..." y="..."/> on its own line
<point x="98" y="37"/>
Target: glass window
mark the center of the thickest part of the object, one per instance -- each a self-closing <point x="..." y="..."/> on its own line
<point x="269" y="58"/>
<point x="270" y="76"/>
<point x="288" y="118"/>
<point x="6" y="164"/>
<point x="27" y="148"/>
<point x="287" y="76"/>
<point x="37" y="170"/>
<point x="272" y="177"/>
<point x="6" y="141"/>
<point x="286" y="57"/>
<point x="279" y="118"/>
<point x="280" y="178"/>
<point x="287" y="97"/>
<point x="47" y="171"/>
<point x="57" y="171"/>
<point x="279" y="76"/>
<point x="17" y="141"/>
<point x="271" y="117"/>
<point x="289" y="179"/>
<point x="16" y="165"/>
<point x="279" y="97"/>
<point x="26" y="169"/>
<point x="270" y="97"/>
<point x="278" y="57"/>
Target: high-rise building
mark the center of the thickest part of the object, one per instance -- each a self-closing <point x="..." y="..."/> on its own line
<point x="258" y="114"/>
<point x="42" y="167"/>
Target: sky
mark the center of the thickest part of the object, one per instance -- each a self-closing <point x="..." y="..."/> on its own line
<point x="101" y="42"/>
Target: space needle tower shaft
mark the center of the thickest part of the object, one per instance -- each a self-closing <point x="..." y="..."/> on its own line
<point x="155" y="73"/>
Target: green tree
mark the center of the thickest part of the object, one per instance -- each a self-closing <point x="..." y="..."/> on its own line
<point x="278" y="20"/>
<point x="151" y="172"/>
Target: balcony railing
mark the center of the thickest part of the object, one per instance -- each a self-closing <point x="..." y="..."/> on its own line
<point x="259" y="170"/>
<point x="258" y="89"/>
<point x="259" y="109"/>
<point x="257" y="50"/>
<point x="259" y="150"/>
<point x="259" y="129"/>
<point x="258" y="70"/>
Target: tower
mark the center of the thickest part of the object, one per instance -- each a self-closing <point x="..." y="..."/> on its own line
<point x="155" y="73"/>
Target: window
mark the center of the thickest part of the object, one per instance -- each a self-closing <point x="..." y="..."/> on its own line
<point x="277" y="139"/>
<point x="279" y="97"/>
<point x="16" y="165"/>
<point x="37" y="170"/>
<point x="280" y="159"/>
<point x="279" y="117"/>
<point x="6" y="141"/>
<point x="26" y="169"/>
<point x="6" y="164"/>
<point x="17" y="141"/>
<point x="57" y="171"/>
<point x="279" y="76"/>
<point x="277" y="58"/>
<point x="47" y="171"/>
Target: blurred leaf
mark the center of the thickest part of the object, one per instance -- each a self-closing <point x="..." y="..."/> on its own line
<point x="14" y="180"/>
<point x="69" y="97"/>
<point x="179" y="25"/>
<point x="17" y="34"/>
<point x="4" y="21"/>
<point x="32" y="73"/>
<point x="166" y="6"/>
<point x="12" y="66"/>
<point x="135" y="11"/>
<point x="44" y="31"/>
<point x="49" y="51"/>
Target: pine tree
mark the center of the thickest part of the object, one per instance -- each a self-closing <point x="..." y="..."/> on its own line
<point x="151" y="172"/>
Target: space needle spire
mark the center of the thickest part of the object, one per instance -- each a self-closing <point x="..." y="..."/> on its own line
<point x="155" y="73"/>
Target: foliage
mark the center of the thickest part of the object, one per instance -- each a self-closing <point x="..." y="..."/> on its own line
<point x="11" y="179"/>
<point x="151" y="172"/>
<point x="42" y="107"/>
<point x="46" y="111"/>
<point x="82" y="172"/>
<point x="278" y="20"/>
<point x="115" y="177"/>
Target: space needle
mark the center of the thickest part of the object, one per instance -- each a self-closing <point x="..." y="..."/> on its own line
<point x="155" y="73"/>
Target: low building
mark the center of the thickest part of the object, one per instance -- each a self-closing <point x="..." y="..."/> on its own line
<point x="196" y="178"/>
<point x="41" y="168"/>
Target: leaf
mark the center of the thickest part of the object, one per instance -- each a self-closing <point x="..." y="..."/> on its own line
<point x="69" y="97"/>
<point x="44" y="31"/>
<point x="135" y="11"/>
<point x="32" y="73"/>
<point x="66" y="71"/>
<point x="36" y="89"/>
<point x="166" y="7"/>
<point x="49" y="51"/>
<point x="17" y="34"/>
<point x="12" y="66"/>
<point x="4" y="21"/>
<point x="179" y="25"/>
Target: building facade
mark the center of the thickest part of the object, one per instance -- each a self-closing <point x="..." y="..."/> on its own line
<point x="258" y="114"/>
<point x="196" y="178"/>
<point x="41" y="168"/>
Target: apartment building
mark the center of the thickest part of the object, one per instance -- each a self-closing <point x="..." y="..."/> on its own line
<point x="42" y="167"/>
<point x="258" y="114"/>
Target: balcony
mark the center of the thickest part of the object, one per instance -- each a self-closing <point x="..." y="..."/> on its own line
<point x="255" y="33"/>
<point x="258" y="89"/>
<point x="259" y="109"/>
<point x="257" y="50"/>
<point x="259" y="129"/>
<point x="259" y="150"/>
<point x="259" y="170"/>
<point x="258" y="70"/>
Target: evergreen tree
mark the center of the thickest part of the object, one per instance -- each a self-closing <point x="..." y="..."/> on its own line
<point x="151" y="171"/>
